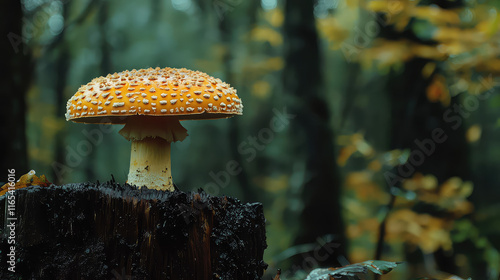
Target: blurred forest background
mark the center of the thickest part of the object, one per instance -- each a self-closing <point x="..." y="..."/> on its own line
<point x="368" y="131"/>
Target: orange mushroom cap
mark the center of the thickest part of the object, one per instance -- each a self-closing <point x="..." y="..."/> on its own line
<point x="169" y="92"/>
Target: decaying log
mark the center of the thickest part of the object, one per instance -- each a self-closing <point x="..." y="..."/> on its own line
<point x="113" y="231"/>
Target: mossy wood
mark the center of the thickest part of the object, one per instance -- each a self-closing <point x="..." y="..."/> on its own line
<point x="112" y="231"/>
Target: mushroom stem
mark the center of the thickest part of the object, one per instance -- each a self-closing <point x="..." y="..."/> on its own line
<point x="150" y="153"/>
<point x="150" y="164"/>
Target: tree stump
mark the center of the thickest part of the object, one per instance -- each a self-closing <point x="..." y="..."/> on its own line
<point x="113" y="231"/>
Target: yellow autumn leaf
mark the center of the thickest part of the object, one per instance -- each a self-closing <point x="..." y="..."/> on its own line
<point x="473" y="133"/>
<point x="375" y="165"/>
<point x="26" y="180"/>
<point x="272" y="184"/>
<point x="428" y="69"/>
<point x="437" y="91"/>
<point x="489" y="26"/>
<point x="469" y="36"/>
<point x="423" y="230"/>
<point x="334" y="31"/>
<point x="261" y="89"/>
<point x="421" y="182"/>
<point x="266" y="34"/>
<point x="436" y="15"/>
<point x="275" y="17"/>
<point x="398" y="13"/>
<point x="344" y="154"/>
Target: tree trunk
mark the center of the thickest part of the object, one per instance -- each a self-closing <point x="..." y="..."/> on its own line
<point x="415" y="118"/>
<point x="15" y="77"/>
<point x="313" y="136"/>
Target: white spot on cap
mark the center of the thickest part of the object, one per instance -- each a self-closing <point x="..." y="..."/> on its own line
<point x="144" y="95"/>
<point x="107" y="102"/>
<point x="173" y="94"/>
<point x="118" y="104"/>
<point x="197" y="92"/>
<point x="163" y="102"/>
<point x="206" y="95"/>
<point x="199" y="100"/>
<point x="173" y="101"/>
<point x="154" y="97"/>
<point x="163" y="110"/>
<point x="145" y="101"/>
<point x="163" y="95"/>
<point x="190" y="109"/>
<point x="152" y="89"/>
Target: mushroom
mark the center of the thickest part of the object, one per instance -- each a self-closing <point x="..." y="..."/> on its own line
<point x="151" y="103"/>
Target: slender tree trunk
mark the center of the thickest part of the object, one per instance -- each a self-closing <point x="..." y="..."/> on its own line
<point x="313" y="136"/>
<point x="416" y="118"/>
<point x="15" y="77"/>
<point x="62" y="69"/>
<point x="225" y="24"/>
